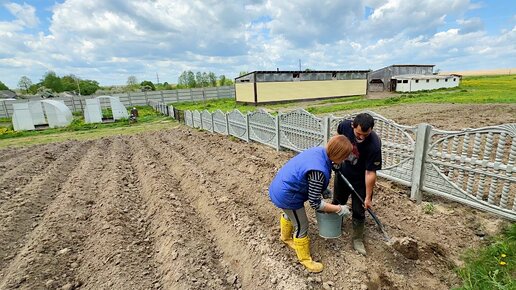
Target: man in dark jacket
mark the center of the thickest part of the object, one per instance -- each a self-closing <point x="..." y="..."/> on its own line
<point x="360" y="170"/>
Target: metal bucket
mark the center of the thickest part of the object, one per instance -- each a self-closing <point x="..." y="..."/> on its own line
<point x="329" y="225"/>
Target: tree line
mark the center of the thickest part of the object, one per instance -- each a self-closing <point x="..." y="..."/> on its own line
<point x="188" y="79"/>
<point x="52" y="83"/>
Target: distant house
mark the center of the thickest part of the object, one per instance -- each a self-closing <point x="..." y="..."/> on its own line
<point x="277" y="86"/>
<point x="413" y="83"/>
<point x="381" y="79"/>
<point x="7" y="94"/>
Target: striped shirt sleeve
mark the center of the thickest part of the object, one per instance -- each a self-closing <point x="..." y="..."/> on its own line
<point x="315" y="189"/>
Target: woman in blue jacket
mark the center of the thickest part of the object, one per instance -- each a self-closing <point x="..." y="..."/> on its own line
<point x="306" y="177"/>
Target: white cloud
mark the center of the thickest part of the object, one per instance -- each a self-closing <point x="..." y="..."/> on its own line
<point x="25" y="14"/>
<point x="111" y="40"/>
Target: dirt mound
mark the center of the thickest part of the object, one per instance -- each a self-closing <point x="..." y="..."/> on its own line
<point x="184" y="209"/>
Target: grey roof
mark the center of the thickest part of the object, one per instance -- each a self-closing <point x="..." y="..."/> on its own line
<point x="431" y="65"/>
<point x="7" y="94"/>
<point x="422" y="77"/>
<point x="303" y="72"/>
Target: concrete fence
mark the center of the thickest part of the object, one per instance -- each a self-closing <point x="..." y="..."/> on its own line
<point x="77" y="103"/>
<point x="476" y="167"/>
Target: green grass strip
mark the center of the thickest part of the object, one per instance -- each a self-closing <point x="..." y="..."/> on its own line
<point x="492" y="267"/>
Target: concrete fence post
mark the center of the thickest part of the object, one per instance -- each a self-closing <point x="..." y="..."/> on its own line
<point x="326" y="129"/>
<point x="227" y="123"/>
<point x="278" y="144"/>
<point x="212" y="123"/>
<point x="420" y="153"/>
<point x="247" y="125"/>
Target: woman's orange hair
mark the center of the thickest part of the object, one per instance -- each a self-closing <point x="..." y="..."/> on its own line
<point x="338" y="148"/>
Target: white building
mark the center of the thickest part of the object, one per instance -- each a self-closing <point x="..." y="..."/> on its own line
<point x="413" y="82"/>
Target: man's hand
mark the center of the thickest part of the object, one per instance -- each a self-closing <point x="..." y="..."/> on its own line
<point x="368" y="203"/>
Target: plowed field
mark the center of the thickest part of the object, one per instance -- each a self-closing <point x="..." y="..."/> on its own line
<point x="184" y="209"/>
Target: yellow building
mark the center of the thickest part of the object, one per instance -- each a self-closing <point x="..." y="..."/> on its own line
<point x="279" y="86"/>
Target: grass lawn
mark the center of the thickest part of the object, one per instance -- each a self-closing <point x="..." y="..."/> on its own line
<point x="472" y="90"/>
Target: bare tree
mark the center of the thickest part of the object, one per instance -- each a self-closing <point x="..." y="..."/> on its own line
<point x="132" y="80"/>
<point x="24" y="84"/>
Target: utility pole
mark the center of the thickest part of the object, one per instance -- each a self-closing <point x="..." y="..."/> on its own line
<point x="299" y="64"/>
<point x="78" y="87"/>
<point x="157" y="78"/>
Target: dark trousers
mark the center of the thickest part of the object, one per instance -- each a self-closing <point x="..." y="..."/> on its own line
<point x="341" y="193"/>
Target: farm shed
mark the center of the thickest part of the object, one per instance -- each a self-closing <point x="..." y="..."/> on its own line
<point x="277" y="86"/>
<point x="413" y="83"/>
<point x="381" y="79"/>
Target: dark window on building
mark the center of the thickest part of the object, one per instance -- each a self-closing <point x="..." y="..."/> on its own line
<point x="445" y="80"/>
<point x="437" y="80"/>
<point x="453" y="79"/>
<point x="399" y="82"/>
<point x="334" y="75"/>
<point x="295" y="75"/>
<point x="417" y="81"/>
<point x="405" y="81"/>
<point x="427" y="81"/>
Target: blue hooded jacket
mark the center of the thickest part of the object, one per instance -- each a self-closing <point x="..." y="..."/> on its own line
<point x="289" y="189"/>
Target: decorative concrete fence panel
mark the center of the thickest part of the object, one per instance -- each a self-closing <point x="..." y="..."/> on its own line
<point x="196" y="116"/>
<point x="220" y="122"/>
<point x="300" y="130"/>
<point x="188" y="118"/>
<point x="263" y="128"/>
<point x="474" y="167"/>
<point x="207" y="121"/>
<point x="238" y="125"/>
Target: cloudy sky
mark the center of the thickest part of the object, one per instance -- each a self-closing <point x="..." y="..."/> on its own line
<point x="110" y="40"/>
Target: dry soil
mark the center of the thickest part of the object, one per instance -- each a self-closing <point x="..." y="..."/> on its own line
<point x="186" y="209"/>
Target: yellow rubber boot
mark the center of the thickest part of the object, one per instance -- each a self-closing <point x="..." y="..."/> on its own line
<point x="303" y="254"/>
<point x="286" y="229"/>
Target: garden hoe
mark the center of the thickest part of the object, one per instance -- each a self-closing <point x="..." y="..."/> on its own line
<point x="385" y="235"/>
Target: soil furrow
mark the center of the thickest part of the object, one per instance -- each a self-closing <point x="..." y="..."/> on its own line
<point x="19" y="172"/>
<point x="332" y="253"/>
<point x="21" y="214"/>
<point x="175" y="226"/>
<point x="61" y="202"/>
<point x="12" y="157"/>
<point x="239" y="230"/>
<point x="120" y="245"/>
<point x="186" y="209"/>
